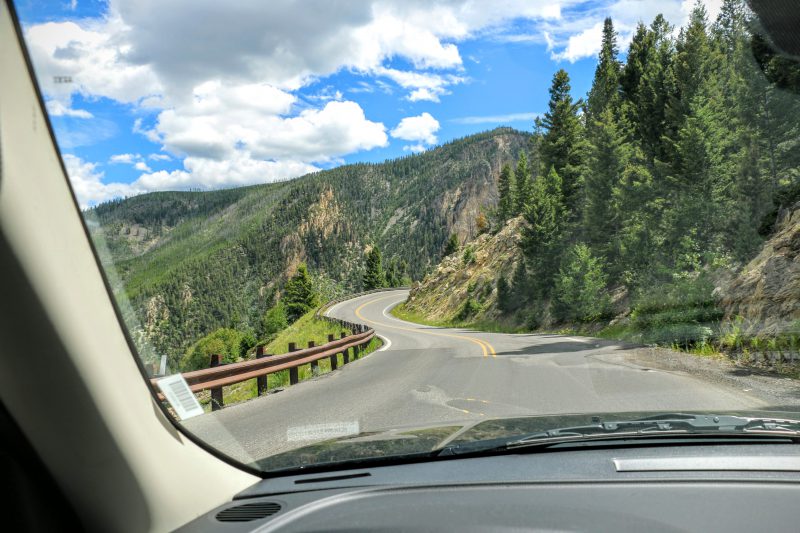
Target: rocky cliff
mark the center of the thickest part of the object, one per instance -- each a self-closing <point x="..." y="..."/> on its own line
<point x="766" y="293"/>
<point x="473" y="271"/>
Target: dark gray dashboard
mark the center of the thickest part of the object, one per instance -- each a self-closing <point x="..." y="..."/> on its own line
<point x="689" y="488"/>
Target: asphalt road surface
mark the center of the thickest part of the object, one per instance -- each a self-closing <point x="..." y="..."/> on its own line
<point x="434" y="376"/>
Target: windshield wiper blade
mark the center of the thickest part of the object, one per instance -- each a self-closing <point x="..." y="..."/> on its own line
<point x="666" y="425"/>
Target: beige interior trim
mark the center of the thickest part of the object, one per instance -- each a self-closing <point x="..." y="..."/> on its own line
<point x="128" y="437"/>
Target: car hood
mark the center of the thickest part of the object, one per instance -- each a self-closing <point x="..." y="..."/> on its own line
<point x="398" y="443"/>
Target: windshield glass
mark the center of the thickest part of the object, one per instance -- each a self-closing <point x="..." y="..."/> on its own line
<point x="338" y="231"/>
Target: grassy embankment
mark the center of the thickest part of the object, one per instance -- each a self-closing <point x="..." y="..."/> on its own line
<point x="307" y="328"/>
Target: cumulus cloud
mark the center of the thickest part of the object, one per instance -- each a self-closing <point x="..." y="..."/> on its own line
<point x="57" y="108"/>
<point x="583" y="44"/>
<point x="220" y="85"/>
<point x="127" y="159"/>
<point x="421" y="128"/>
<point x="576" y="36"/>
<point x="218" y="128"/>
<point x="240" y="169"/>
<point x="425" y="85"/>
<point x="87" y="182"/>
<point x="93" y="56"/>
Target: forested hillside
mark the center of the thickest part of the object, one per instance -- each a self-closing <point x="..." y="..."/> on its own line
<point x="657" y="187"/>
<point x="193" y="262"/>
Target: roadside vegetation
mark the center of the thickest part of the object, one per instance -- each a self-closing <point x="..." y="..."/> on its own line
<point x="639" y="200"/>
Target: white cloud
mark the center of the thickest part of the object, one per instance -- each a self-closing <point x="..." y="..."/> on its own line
<point x="584" y="44"/>
<point x="142" y="166"/>
<point x="217" y="128"/>
<point x="127" y="159"/>
<point x="415" y="148"/>
<point x="497" y="119"/>
<point x="87" y="182"/>
<point x="240" y="169"/>
<point x="93" y="56"/>
<point x="425" y="85"/>
<point x="576" y="34"/>
<point x="57" y="108"/>
<point x="159" y="157"/>
<point x="421" y="128"/>
<point x="219" y="85"/>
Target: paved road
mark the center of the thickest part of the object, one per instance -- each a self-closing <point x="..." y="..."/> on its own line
<point x="425" y="375"/>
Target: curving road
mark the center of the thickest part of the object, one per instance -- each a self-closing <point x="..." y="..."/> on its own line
<point x="433" y="376"/>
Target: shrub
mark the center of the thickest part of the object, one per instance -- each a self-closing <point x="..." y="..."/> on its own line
<point x="470" y="308"/>
<point x="274" y="321"/>
<point x="681" y="312"/>
<point x="469" y="255"/>
<point x="225" y="342"/>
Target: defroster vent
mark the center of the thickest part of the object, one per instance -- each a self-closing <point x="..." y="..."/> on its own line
<point x="248" y="512"/>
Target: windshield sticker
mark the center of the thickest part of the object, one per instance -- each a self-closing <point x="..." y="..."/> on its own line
<point x="179" y="396"/>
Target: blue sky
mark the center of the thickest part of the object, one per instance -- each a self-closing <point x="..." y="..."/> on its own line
<point x="197" y="94"/>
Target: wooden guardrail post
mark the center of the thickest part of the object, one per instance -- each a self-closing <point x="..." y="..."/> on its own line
<point x="335" y="357"/>
<point x="293" y="376"/>
<point x="216" y="392"/>
<point x="261" y="381"/>
<point x="346" y="352"/>
<point x="314" y="364"/>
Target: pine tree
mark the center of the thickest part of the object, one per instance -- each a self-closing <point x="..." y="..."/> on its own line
<point x="640" y="213"/>
<point x="522" y="180"/>
<point x="541" y="236"/>
<point x="605" y="87"/>
<point x="608" y="155"/>
<point x="504" y="297"/>
<point x="689" y="71"/>
<point x="452" y="245"/>
<point x="644" y="84"/>
<point x="562" y="146"/>
<point x="580" y="286"/>
<point x="393" y="273"/>
<point x="374" y="277"/>
<point x="299" y="296"/>
<point x="505" y="205"/>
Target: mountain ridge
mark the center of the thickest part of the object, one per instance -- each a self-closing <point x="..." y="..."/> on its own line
<point x="190" y="262"/>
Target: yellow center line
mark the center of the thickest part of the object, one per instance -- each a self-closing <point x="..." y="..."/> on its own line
<point x="486" y="348"/>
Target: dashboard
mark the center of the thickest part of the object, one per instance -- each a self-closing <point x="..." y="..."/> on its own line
<point x="699" y="488"/>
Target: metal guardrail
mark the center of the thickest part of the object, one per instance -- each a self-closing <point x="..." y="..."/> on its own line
<point x="219" y="375"/>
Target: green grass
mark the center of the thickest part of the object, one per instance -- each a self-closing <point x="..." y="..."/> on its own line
<point x="307" y="328"/>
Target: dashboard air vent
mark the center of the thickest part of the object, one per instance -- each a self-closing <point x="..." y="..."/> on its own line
<point x="248" y="512"/>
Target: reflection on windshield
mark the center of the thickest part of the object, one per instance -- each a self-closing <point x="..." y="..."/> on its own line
<point x="384" y="219"/>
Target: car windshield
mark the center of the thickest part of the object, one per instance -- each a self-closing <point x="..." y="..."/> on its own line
<point x="347" y="231"/>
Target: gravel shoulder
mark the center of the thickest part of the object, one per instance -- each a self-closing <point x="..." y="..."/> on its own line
<point x="779" y="392"/>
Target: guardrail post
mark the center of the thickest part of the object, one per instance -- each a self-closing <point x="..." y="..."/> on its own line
<point x="216" y="392"/>
<point x="314" y="364"/>
<point x="346" y="352"/>
<point x="335" y="357"/>
<point x="293" y="377"/>
<point x="261" y="381"/>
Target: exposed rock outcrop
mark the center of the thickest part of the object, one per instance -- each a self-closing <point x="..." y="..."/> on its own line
<point x="766" y="293"/>
<point x="442" y="293"/>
